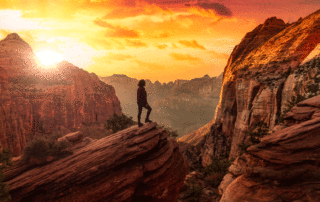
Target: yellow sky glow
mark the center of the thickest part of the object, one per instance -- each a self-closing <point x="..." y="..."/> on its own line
<point x="156" y="40"/>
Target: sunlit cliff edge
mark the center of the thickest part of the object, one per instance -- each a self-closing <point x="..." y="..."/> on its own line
<point x="270" y="65"/>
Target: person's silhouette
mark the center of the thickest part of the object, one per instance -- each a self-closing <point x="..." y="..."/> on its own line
<point x="142" y="102"/>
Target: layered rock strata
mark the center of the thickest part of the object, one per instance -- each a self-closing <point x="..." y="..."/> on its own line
<point x="40" y="100"/>
<point x="136" y="164"/>
<point x="264" y="71"/>
<point x="284" y="166"/>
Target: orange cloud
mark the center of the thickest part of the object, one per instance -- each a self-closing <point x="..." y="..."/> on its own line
<point x="218" y="55"/>
<point x="116" y="31"/>
<point x="179" y="56"/>
<point x="218" y="8"/>
<point x="99" y="43"/>
<point x="111" y="57"/>
<point x="174" y="45"/>
<point x="136" y="43"/>
<point x="119" y="56"/>
<point x="161" y="46"/>
<point x="192" y="44"/>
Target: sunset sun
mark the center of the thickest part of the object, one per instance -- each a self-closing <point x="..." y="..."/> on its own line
<point x="49" y="58"/>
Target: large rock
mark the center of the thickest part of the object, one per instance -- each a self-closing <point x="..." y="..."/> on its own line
<point x="136" y="164"/>
<point x="283" y="167"/>
<point x="38" y="100"/>
<point x="264" y="71"/>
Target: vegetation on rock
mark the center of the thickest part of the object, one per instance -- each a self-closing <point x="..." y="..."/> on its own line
<point x="193" y="192"/>
<point x="256" y="132"/>
<point x="41" y="148"/>
<point x="119" y="122"/>
<point x="215" y="171"/>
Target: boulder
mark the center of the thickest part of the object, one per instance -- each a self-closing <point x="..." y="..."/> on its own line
<point x="136" y="164"/>
<point x="284" y="166"/>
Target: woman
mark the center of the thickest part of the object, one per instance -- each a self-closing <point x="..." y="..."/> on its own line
<point x="142" y="102"/>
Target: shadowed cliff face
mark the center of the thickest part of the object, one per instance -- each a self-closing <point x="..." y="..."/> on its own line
<point x="284" y="166"/>
<point x="42" y="101"/>
<point x="263" y="72"/>
<point x="136" y="164"/>
<point x="184" y="105"/>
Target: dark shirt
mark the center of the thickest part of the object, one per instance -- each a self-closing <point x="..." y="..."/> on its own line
<point x="142" y="96"/>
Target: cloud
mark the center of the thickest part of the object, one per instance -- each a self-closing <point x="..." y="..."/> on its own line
<point x="136" y="43"/>
<point x="161" y="46"/>
<point x="192" y="44"/>
<point x="219" y="9"/>
<point x="111" y="57"/>
<point x="148" y="66"/>
<point x="174" y="46"/>
<point x="117" y="31"/>
<point x="179" y="56"/>
<point x="99" y="43"/>
<point x="218" y="55"/>
<point x="119" y="56"/>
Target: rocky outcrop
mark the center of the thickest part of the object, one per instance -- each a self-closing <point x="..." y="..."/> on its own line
<point x="260" y="78"/>
<point x="42" y="101"/>
<point x="184" y="105"/>
<point x="136" y="164"/>
<point x="284" y="166"/>
<point x="11" y="125"/>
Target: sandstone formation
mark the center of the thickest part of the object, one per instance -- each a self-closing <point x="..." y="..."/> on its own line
<point x="284" y="166"/>
<point x="42" y="100"/>
<point x="11" y="124"/>
<point x="136" y="164"/>
<point x="271" y="64"/>
<point x="184" y="105"/>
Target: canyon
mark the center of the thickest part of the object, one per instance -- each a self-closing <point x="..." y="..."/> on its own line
<point x="273" y="63"/>
<point x="35" y="100"/>
<point x="182" y="105"/>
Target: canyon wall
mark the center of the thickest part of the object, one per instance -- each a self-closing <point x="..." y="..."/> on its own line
<point x="271" y="64"/>
<point x="42" y="100"/>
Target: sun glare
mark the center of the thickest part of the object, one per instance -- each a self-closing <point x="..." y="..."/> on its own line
<point x="49" y="58"/>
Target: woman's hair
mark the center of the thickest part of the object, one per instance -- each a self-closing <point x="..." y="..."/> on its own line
<point x="142" y="83"/>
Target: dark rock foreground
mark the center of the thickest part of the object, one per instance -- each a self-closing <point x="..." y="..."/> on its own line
<point x="136" y="164"/>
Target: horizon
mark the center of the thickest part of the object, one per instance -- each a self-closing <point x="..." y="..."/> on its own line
<point x="144" y="39"/>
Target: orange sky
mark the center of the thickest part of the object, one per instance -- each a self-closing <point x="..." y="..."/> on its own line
<point x="160" y="40"/>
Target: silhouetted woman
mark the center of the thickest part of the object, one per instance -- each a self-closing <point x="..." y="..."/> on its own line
<point x="142" y="102"/>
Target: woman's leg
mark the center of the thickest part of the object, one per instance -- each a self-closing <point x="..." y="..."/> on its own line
<point x="139" y="114"/>
<point x="148" y="113"/>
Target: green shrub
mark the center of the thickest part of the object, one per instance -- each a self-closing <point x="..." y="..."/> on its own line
<point x="259" y="130"/>
<point x="215" y="171"/>
<point x="119" y="122"/>
<point x="193" y="192"/>
<point x="291" y="103"/>
<point x="5" y="160"/>
<point x="41" y="149"/>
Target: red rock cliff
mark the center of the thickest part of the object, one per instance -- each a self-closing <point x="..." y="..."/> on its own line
<point x="46" y="100"/>
<point x="136" y="164"/>
<point x="256" y="86"/>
